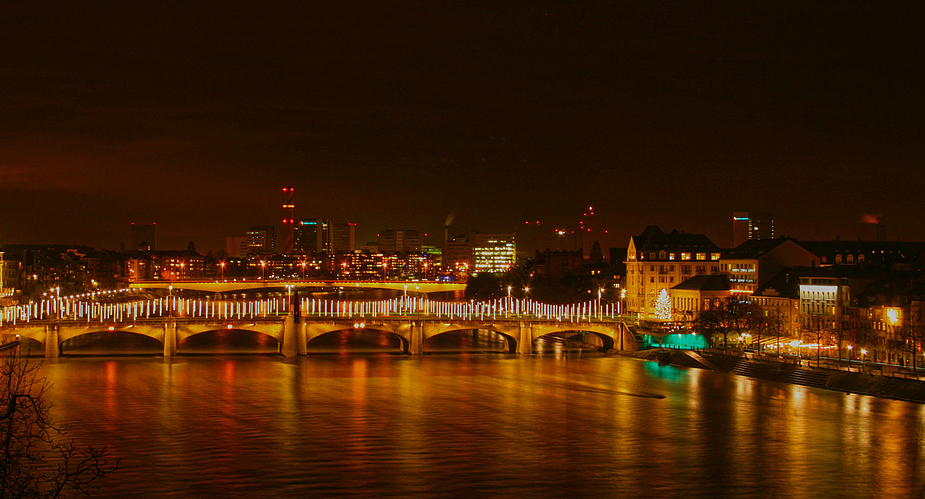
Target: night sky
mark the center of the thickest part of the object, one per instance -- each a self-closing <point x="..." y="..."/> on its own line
<point x="394" y="114"/>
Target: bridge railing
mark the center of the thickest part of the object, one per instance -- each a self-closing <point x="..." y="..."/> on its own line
<point x="165" y="307"/>
<point x="472" y="310"/>
<point x="73" y="309"/>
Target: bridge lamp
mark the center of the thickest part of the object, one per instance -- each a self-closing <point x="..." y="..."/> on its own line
<point x="222" y="265"/>
<point x="112" y="328"/>
<point x="228" y="326"/>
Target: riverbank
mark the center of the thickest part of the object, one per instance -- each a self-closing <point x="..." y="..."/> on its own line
<point x="910" y="390"/>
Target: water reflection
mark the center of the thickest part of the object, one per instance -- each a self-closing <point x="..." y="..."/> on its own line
<point x="477" y="425"/>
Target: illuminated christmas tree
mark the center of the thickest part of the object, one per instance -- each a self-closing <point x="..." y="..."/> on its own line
<point x="663" y="305"/>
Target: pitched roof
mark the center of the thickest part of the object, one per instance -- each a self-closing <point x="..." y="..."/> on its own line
<point x="705" y="282"/>
<point x="754" y="248"/>
<point x="654" y="239"/>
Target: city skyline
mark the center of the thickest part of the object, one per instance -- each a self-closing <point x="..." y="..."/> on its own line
<point x="194" y="117"/>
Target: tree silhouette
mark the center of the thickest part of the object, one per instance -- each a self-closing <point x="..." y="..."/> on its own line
<point x="34" y="460"/>
<point x="910" y="335"/>
<point x="728" y="317"/>
<point x="484" y="286"/>
<point x="818" y="328"/>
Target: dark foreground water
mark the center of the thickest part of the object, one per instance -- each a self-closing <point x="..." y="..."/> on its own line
<point x="483" y="425"/>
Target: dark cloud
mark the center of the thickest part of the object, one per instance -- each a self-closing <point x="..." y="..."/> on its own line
<point x="392" y="115"/>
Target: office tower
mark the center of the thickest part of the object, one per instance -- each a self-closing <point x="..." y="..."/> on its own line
<point x="261" y="239"/>
<point x="343" y="237"/>
<point x="748" y="225"/>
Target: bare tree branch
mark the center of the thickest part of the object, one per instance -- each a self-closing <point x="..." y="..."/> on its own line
<point x="33" y="462"/>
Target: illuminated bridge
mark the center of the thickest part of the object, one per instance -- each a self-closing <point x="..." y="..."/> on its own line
<point x="259" y="284"/>
<point x="294" y="322"/>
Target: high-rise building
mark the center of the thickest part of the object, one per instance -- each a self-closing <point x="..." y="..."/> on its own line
<point x="343" y="237"/>
<point x="237" y="246"/>
<point x="748" y="225"/>
<point x="313" y="236"/>
<point x="457" y="256"/>
<point x="400" y="241"/>
<point x="492" y="252"/>
<point x="261" y="239"/>
<point x="144" y="236"/>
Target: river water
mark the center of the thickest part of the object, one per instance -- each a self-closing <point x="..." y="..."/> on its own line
<point x="560" y="424"/>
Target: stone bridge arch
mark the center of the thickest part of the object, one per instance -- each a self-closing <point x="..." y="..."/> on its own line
<point x="274" y="331"/>
<point x="610" y="334"/>
<point x="36" y="333"/>
<point x="510" y="334"/>
<point x="70" y="332"/>
<point x="314" y="330"/>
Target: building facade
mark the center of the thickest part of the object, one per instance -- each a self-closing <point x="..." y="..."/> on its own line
<point x="261" y="239"/>
<point x="400" y="241"/>
<point x="749" y="225"/>
<point x="753" y="263"/>
<point x="699" y="293"/>
<point x="343" y="237"/>
<point x="237" y="246"/>
<point x="656" y="260"/>
<point x="493" y="252"/>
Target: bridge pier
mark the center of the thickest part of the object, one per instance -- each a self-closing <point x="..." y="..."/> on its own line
<point x="170" y="339"/>
<point x="416" y="345"/>
<point x="525" y="339"/>
<point x="52" y="347"/>
<point x="294" y="341"/>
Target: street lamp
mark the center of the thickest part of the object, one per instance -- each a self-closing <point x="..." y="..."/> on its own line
<point x="222" y="266"/>
<point x="302" y="264"/>
<point x="263" y="267"/>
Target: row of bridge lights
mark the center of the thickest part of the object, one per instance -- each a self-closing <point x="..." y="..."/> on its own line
<point x="263" y="268"/>
<point x="56" y="293"/>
